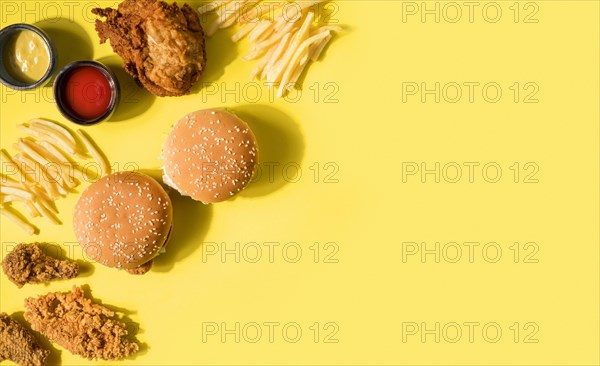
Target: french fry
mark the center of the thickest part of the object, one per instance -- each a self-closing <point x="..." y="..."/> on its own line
<point x="18" y="219"/>
<point x="286" y="31"/>
<point x="42" y="196"/>
<point x="61" y="190"/>
<point x="99" y="158"/>
<point x="296" y="75"/>
<point x="25" y="148"/>
<point x="27" y="166"/>
<point x="259" y="30"/>
<point x="305" y="4"/>
<point x="248" y="6"/>
<point x="28" y="148"/>
<point x="278" y="52"/>
<point x="80" y="173"/>
<point x="60" y="132"/>
<point x="59" y="136"/>
<point x="315" y="48"/>
<point x="234" y="8"/>
<point x="244" y="30"/>
<point x="299" y="36"/>
<point x="55" y="152"/>
<point x="261" y="64"/>
<point x="30" y="165"/>
<point x="315" y="51"/>
<point x="16" y="192"/>
<point x="226" y="12"/>
<point x="222" y="16"/>
<point x="45" y="170"/>
<point x="28" y="170"/>
<point x="74" y="168"/>
<point x="212" y="29"/>
<point x="251" y="15"/>
<point x="56" y="140"/>
<point x="206" y="8"/>
<point x="8" y="182"/>
<point x="34" y="132"/>
<point x="7" y="198"/>
<point x="279" y="63"/>
<point x="50" y="206"/>
<point x="60" y="129"/>
<point x="64" y="170"/>
<point x="47" y="213"/>
<point x="9" y="162"/>
<point x="296" y="58"/>
<point x="33" y="212"/>
<point x="252" y="55"/>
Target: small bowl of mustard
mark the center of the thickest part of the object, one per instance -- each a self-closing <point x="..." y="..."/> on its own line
<point x="27" y="57"/>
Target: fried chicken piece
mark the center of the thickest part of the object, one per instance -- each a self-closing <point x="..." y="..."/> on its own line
<point x="26" y="263"/>
<point x="82" y="327"/>
<point x="162" y="45"/>
<point x="19" y="345"/>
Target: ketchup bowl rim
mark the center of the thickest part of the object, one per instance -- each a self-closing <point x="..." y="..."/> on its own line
<point x="61" y="104"/>
<point x="52" y="61"/>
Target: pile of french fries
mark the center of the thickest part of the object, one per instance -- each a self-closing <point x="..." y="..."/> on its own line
<point x="284" y="42"/>
<point x="44" y="170"/>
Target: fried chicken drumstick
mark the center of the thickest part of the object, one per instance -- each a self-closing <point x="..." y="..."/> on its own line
<point x="162" y="45"/>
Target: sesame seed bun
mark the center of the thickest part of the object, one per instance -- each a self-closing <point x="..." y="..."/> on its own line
<point x="123" y="220"/>
<point x="210" y="155"/>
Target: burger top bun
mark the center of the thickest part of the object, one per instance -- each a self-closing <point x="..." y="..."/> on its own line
<point x="210" y="155"/>
<point x="123" y="220"/>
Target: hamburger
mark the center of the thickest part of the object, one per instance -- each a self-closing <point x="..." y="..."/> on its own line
<point x="123" y="221"/>
<point x="210" y="155"/>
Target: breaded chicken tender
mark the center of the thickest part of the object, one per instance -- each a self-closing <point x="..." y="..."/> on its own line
<point x="162" y="45"/>
<point x="19" y="345"/>
<point x="86" y="329"/>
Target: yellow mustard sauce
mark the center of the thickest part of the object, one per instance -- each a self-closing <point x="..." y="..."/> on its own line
<point x="26" y="56"/>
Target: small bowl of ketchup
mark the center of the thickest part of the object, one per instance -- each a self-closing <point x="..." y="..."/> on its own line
<point x="86" y="92"/>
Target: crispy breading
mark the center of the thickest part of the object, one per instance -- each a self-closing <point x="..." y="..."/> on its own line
<point x="19" y="345"/>
<point x="27" y="263"/>
<point x="82" y="327"/>
<point x="162" y="45"/>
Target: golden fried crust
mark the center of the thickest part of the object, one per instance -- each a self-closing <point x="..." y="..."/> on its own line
<point x="19" y="345"/>
<point x="27" y="263"/>
<point x="162" y="45"/>
<point x="82" y="327"/>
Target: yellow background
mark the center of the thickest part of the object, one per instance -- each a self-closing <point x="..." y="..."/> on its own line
<point x="362" y="202"/>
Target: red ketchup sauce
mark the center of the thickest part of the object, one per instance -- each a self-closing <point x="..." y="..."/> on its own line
<point x="86" y="92"/>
